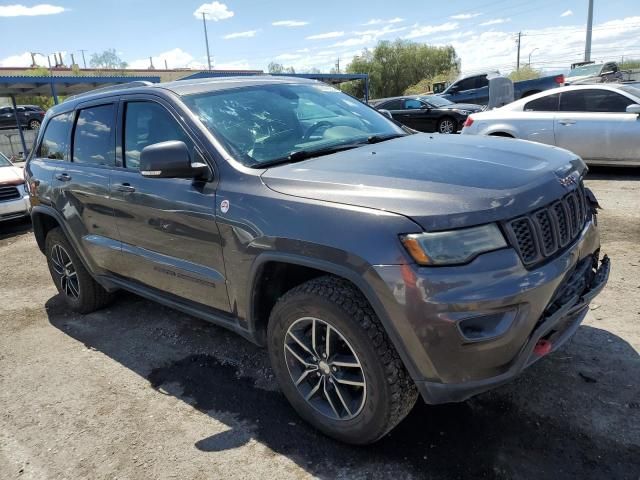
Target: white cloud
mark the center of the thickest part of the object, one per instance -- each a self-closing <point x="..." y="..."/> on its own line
<point x="233" y="65"/>
<point x="368" y="37"/>
<point x="495" y="21"/>
<point x="424" y="30"/>
<point x="567" y="13"/>
<point x="288" y="56"/>
<point x="289" y="23"/>
<point x="22" y="60"/>
<point x="380" y="21"/>
<point x="465" y="16"/>
<point x="323" y="36"/>
<point x="213" y="11"/>
<point x="176" y="58"/>
<point x="22" y="11"/>
<point x="247" y="34"/>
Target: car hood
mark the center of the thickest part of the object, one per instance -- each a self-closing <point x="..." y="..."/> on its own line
<point x="10" y="175"/>
<point x="472" y="107"/>
<point x="439" y="181"/>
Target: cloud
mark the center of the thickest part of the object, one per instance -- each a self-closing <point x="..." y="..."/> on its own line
<point x="495" y="21"/>
<point x="323" y="36"/>
<point x="465" y="16"/>
<point x="247" y="34"/>
<point x="367" y="37"/>
<point x="176" y="58"/>
<point x="567" y="13"/>
<point x="233" y="65"/>
<point x="22" y="60"/>
<point x="22" y="11"/>
<point x="288" y="56"/>
<point x="424" y="30"/>
<point x="289" y="23"/>
<point x="380" y="21"/>
<point x="213" y="11"/>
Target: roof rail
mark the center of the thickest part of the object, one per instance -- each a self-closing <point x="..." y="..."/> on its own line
<point x="118" y="86"/>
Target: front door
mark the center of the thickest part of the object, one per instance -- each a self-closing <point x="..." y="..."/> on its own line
<point x="168" y="229"/>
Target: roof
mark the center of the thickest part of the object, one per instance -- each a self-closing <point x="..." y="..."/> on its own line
<point x="200" y="85"/>
<point x="72" y="85"/>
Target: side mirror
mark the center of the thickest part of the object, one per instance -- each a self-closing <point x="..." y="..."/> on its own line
<point x="386" y="113"/>
<point x="453" y="88"/>
<point x="633" y="108"/>
<point x="170" y="160"/>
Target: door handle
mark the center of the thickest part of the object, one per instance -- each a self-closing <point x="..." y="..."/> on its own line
<point x="63" y="177"/>
<point x="125" y="187"/>
<point x="566" y="122"/>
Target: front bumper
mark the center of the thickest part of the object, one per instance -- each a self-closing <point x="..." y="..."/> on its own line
<point x="427" y="307"/>
<point x="15" y="208"/>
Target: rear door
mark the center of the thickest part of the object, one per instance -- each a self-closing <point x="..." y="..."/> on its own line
<point x="417" y="115"/>
<point x="168" y="229"/>
<point x="594" y="124"/>
<point x="81" y="186"/>
<point x="7" y="118"/>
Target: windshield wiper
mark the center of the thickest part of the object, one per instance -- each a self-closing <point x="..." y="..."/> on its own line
<point x="298" y="155"/>
<point x="384" y="138"/>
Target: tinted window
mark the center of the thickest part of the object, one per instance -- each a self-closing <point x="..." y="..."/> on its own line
<point x="601" y="101"/>
<point x="147" y="123"/>
<point x="412" y="104"/>
<point x="56" y="137"/>
<point x="544" y="104"/>
<point x="467" y="83"/>
<point x="482" y="81"/>
<point x="392" y="105"/>
<point x="94" y="139"/>
<point x="5" y="110"/>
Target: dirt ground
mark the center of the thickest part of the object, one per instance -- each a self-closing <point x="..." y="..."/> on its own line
<point x="141" y="391"/>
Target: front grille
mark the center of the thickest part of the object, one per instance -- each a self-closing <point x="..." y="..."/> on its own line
<point x="544" y="232"/>
<point x="9" y="193"/>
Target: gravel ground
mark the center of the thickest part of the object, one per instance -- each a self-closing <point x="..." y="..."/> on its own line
<point x="141" y="391"/>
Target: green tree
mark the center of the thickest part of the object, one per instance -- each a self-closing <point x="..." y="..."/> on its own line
<point x="526" y="72"/>
<point x="108" y="60"/>
<point x="395" y="66"/>
<point x="42" y="102"/>
<point x="630" y="65"/>
<point x="37" y="72"/>
<point x="274" y="67"/>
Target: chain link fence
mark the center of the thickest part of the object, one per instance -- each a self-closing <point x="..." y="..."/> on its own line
<point x="11" y="145"/>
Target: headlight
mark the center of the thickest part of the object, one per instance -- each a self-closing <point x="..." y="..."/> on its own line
<point x="454" y="246"/>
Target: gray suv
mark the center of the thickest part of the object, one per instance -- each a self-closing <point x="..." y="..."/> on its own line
<point x="375" y="264"/>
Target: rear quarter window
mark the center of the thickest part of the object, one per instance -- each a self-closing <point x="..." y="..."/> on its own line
<point x="55" y="141"/>
<point x="544" y="104"/>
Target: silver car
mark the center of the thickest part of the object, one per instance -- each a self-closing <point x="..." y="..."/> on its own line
<point x="14" y="199"/>
<point x="601" y="123"/>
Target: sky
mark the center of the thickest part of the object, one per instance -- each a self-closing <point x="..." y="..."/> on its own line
<point x="247" y="34"/>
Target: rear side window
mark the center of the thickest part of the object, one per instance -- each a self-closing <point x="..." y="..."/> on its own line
<point x="94" y="136"/>
<point x="412" y="104"/>
<point x="598" y="101"/>
<point x="55" y="141"/>
<point x="544" y="104"/>
<point x="392" y="105"/>
<point x="147" y="123"/>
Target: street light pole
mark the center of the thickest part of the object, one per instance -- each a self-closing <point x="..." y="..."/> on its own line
<point x="587" y="45"/>
<point x="531" y="54"/>
<point x="206" y="39"/>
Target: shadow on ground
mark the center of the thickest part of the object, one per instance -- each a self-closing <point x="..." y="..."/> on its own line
<point x="11" y="228"/>
<point x="613" y="173"/>
<point x="217" y="373"/>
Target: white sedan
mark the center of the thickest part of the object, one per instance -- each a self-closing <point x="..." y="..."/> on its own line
<point x="14" y="200"/>
<point x="601" y="123"/>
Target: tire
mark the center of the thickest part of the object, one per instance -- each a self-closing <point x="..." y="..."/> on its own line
<point x="34" y="124"/>
<point x="447" y="125"/>
<point x="79" y="290"/>
<point x="386" y="394"/>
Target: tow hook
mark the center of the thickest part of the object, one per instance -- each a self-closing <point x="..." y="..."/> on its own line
<point x="542" y="347"/>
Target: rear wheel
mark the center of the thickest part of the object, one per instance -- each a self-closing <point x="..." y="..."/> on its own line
<point x="335" y="364"/>
<point x="79" y="290"/>
<point x="34" y="124"/>
<point x="447" y="125"/>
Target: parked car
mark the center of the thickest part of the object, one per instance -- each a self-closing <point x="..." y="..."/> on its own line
<point x="594" y="73"/>
<point x="373" y="263"/>
<point x="598" y="122"/>
<point x="475" y="88"/>
<point x="427" y="113"/>
<point x="14" y="200"/>
<point x="30" y="116"/>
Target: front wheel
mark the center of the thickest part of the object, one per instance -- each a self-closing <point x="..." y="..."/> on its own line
<point x="34" y="124"/>
<point x="335" y="364"/>
<point x="447" y="125"/>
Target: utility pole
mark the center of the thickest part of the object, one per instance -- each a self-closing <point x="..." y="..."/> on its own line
<point x="338" y="65"/>
<point x="519" y="41"/>
<point x="206" y="39"/>
<point x="587" y="46"/>
<point x="84" y="62"/>
<point x="166" y="67"/>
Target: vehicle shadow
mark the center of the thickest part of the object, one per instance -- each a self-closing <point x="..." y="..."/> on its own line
<point x="11" y="228"/>
<point x="494" y="435"/>
<point x="613" y="173"/>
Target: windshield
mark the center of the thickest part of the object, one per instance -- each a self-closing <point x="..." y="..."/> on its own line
<point x="4" y="161"/>
<point x="436" y="101"/>
<point x="264" y="123"/>
<point x="585" y="70"/>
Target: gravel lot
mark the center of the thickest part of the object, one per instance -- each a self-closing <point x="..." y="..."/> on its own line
<point x="141" y="391"/>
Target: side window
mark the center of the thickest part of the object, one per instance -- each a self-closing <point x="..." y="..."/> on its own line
<point x="597" y="101"/>
<point x="94" y="137"/>
<point x="55" y="140"/>
<point x="5" y="110"/>
<point x="392" y="105"/>
<point x="544" y="104"/>
<point x="467" y="83"/>
<point x="482" y="81"/>
<point x="146" y="123"/>
<point x="412" y="104"/>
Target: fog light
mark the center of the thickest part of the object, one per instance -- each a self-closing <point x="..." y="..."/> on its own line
<point x="486" y="327"/>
